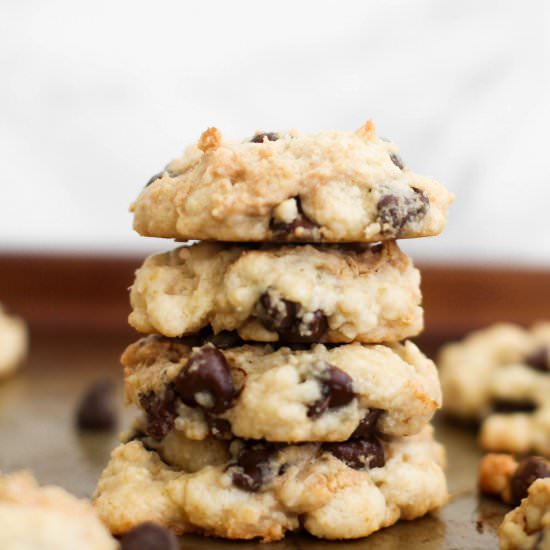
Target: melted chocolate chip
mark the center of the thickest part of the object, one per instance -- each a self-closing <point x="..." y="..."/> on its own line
<point x="300" y="228"/>
<point x="277" y="315"/>
<point x="206" y="382"/>
<point x="148" y="536"/>
<point x="397" y="160"/>
<point x="538" y="360"/>
<point x="506" y="406"/>
<point x="251" y="461"/>
<point x="367" y="426"/>
<point x="336" y="391"/>
<point x="220" y="428"/>
<point x="358" y="453"/>
<point x="270" y="136"/>
<point x="529" y="469"/>
<point x="160" y="411"/>
<point x="396" y="211"/>
<point x="154" y="178"/>
<point x="282" y="316"/>
<point x="97" y="409"/>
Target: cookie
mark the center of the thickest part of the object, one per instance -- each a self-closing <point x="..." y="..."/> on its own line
<point x="48" y="518"/>
<point x="503" y="476"/>
<point x="250" y="489"/>
<point x="13" y="342"/>
<point x="368" y="293"/>
<point x="528" y="525"/>
<point x="501" y="376"/>
<point x="327" y="187"/>
<point x="258" y="391"/>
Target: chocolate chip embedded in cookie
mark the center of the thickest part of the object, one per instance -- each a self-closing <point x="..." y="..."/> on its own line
<point x="205" y="381"/>
<point x="336" y="390"/>
<point x="288" y="294"/>
<point x="333" y="187"/>
<point x="358" y="453"/>
<point x="257" y="391"/>
<point x="160" y="410"/>
<point x="528" y="470"/>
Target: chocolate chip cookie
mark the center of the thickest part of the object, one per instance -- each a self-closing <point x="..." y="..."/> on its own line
<point x="243" y="489"/>
<point x="257" y="391"/>
<point x="47" y="518"/>
<point x="301" y="293"/>
<point x="279" y="187"/>
<point x="500" y="376"/>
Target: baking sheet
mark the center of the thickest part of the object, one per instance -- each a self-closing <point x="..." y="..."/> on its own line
<point x="37" y="432"/>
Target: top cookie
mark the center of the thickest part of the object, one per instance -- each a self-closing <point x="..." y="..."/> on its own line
<point x="327" y="187"/>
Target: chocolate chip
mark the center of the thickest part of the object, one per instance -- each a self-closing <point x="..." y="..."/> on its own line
<point x="358" y="453"/>
<point x="160" y="411"/>
<point x="277" y="315"/>
<point x="506" y="406"/>
<point x="206" y="381"/>
<point x="538" y="360"/>
<point x="270" y="136"/>
<point x="220" y="428"/>
<point x="314" y="328"/>
<point x="336" y="391"/>
<point x="367" y="426"/>
<point x="300" y="228"/>
<point x="154" y="178"/>
<point x="97" y="409"/>
<point x="282" y="316"/>
<point x="149" y="536"/>
<point x="528" y="470"/>
<point x="251" y="463"/>
<point x="397" y="160"/>
<point x="395" y="211"/>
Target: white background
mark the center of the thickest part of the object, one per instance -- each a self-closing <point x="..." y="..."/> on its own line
<point x="97" y="96"/>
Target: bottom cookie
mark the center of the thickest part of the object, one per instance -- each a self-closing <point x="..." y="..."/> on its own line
<point x="247" y="489"/>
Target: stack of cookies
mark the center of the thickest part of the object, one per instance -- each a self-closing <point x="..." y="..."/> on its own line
<point x="276" y="388"/>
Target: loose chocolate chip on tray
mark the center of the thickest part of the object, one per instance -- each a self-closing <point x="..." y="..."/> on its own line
<point x="97" y="409"/>
<point x="528" y="470"/>
<point x="149" y="536"/>
<point x="367" y="426"/>
<point x="538" y="360"/>
<point x="397" y="160"/>
<point x="250" y="464"/>
<point x="336" y="391"/>
<point x="205" y="381"/>
<point x="358" y="453"/>
<point x="270" y="136"/>
<point x="160" y="411"/>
